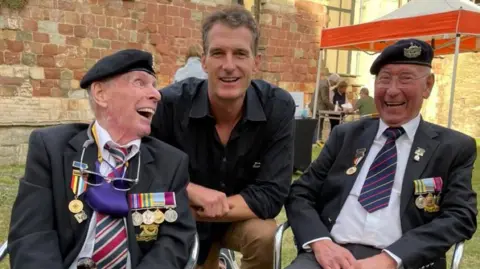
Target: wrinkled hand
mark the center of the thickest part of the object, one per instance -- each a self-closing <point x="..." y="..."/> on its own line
<point x="380" y="261"/>
<point x="207" y="202"/>
<point x="332" y="256"/>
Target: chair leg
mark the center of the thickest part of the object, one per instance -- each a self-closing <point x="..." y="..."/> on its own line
<point x="277" y="252"/>
<point x="457" y="255"/>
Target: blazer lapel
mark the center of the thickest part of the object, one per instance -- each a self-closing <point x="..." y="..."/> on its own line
<point x="364" y="140"/>
<point x="424" y="138"/>
<point x="71" y="155"/>
<point x="143" y="186"/>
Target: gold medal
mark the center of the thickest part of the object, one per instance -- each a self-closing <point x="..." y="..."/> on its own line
<point x="159" y="216"/>
<point x="137" y="218"/>
<point x="419" y="202"/>
<point x="351" y="170"/>
<point x="75" y="206"/>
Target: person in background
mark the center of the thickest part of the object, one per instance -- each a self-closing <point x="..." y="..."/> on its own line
<point x="339" y="99"/>
<point x="323" y="101"/>
<point x="193" y="65"/>
<point x="365" y="105"/>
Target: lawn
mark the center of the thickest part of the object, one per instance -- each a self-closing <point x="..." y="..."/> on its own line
<point x="9" y="182"/>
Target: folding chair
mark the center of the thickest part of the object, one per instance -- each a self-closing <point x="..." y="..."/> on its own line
<point x="277" y="252"/>
<point x="192" y="261"/>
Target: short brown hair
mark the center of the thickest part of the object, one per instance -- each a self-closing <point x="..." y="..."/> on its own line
<point x="194" y="50"/>
<point x="234" y="17"/>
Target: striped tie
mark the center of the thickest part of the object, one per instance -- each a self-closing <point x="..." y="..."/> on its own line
<point x="118" y="153"/>
<point x="378" y="185"/>
<point x="111" y="250"/>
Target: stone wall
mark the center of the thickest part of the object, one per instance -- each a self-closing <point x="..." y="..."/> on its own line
<point x="46" y="48"/>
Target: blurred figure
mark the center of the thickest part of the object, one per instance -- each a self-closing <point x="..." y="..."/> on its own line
<point x="365" y="105"/>
<point x="339" y="98"/>
<point x="324" y="101"/>
<point x="193" y="65"/>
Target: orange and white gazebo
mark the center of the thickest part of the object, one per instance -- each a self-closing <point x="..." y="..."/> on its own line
<point x="450" y="26"/>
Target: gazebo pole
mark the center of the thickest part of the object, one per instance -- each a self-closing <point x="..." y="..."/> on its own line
<point x="315" y="91"/>
<point x="454" y="76"/>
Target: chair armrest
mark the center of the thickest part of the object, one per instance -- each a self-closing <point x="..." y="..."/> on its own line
<point x="192" y="261"/>
<point x="457" y="255"/>
<point x="277" y="252"/>
<point x="3" y="250"/>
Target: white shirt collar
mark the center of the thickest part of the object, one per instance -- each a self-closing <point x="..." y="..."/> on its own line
<point x="410" y="127"/>
<point x="104" y="138"/>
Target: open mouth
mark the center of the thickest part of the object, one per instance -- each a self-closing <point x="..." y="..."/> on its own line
<point x="394" y="104"/>
<point x="229" y="79"/>
<point x="146" y="112"/>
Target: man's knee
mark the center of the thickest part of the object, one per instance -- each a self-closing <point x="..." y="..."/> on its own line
<point x="260" y="233"/>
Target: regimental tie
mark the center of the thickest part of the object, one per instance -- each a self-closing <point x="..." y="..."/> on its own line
<point x="111" y="249"/>
<point x="376" y="190"/>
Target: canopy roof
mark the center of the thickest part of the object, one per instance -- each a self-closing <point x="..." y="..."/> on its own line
<point x="434" y="21"/>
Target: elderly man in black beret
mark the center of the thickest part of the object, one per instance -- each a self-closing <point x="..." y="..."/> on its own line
<point x="388" y="192"/>
<point x="105" y="195"/>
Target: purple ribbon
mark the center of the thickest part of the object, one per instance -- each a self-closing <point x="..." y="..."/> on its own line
<point x="105" y="199"/>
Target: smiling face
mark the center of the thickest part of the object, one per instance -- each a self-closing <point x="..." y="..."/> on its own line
<point x="229" y="61"/>
<point x="400" y="90"/>
<point x="125" y="105"/>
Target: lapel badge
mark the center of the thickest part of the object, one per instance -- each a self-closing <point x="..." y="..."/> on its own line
<point x="413" y="51"/>
<point x="79" y="165"/>
<point x="418" y="153"/>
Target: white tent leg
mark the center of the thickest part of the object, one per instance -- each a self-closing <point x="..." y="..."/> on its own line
<point x="315" y="91"/>
<point x="454" y="77"/>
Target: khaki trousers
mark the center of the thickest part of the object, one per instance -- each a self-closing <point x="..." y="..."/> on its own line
<point x="253" y="238"/>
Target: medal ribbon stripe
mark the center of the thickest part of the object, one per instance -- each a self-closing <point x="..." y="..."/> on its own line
<point x="438" y="184"/>
<point x="377" y="188"/>
<point x="77" y="184"/>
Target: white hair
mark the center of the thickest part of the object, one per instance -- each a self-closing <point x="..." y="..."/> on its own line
<point x="334" y="77"/>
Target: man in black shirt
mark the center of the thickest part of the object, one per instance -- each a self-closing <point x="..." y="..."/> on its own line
<point x="238" y="133"/>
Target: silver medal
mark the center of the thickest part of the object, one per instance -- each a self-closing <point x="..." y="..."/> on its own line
<point x="137" y="218"/>
<point x="171" y="215"/>
<point x="148" y="217"/>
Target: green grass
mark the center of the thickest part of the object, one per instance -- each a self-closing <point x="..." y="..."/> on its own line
<point x="9" y="183"/>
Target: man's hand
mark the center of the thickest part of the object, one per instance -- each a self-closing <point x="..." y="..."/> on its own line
<point x="332" y="256"/>
<point x="210" y="202"/>
<point x="380" y="261"/>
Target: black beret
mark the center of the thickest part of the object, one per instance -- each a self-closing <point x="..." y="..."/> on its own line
<point x="406" y="51"/>
<point x="118" y="63"/>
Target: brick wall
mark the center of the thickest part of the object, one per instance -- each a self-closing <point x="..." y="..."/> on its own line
<point x="466" y="107"/>
<point x="46" y="48"/>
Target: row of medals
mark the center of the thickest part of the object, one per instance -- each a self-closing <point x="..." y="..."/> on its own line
<point x="149" y="217"/>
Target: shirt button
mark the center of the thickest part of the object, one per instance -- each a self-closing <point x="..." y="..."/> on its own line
<point x="222" y="185"/>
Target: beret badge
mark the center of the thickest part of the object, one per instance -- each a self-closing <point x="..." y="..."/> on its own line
<point x="413" y="51"/>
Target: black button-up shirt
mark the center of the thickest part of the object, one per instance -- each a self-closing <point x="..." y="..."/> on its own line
<point x="256" y="162"/>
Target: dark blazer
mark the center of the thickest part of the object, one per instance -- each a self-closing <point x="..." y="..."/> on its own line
<point x="44" y="234"/>
<point x="318" y="196"/>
